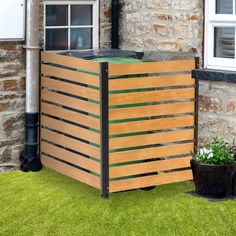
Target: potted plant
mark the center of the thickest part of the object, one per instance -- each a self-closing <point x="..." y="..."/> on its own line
<point x="213" y="168"/>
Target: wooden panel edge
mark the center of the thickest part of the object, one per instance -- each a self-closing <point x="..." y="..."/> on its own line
<point x="71" y="171"/>
<point x="73" y="62"/>
<point x="151" y="153"/>
<point x="150" y="167"/>
<point x="168" y="178"/>
<point x="70" y="157"/>
<point x="151" y="67"/>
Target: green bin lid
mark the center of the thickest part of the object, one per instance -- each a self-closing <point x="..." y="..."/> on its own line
<point x="117" y="60"/>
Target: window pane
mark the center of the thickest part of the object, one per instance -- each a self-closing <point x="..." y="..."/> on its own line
<point x="224" y="6"/>
<point x="56" y="15"/>
<point x="56" y="39"/>
<point x="81" y="38"/>
<point x="81" y="14"/>
<point x="224" y="42"/>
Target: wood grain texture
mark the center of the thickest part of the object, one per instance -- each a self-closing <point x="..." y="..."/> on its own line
<point x="74" y="76"/>
<point x="70" y="129"/>
<point x="71" y="143"/>
<point x="70" y="157"/>
<point x="69" y="115"/>
<point x="151" y="82"/>
<point x="77" y="63"/>
<point x="70" y="102"/>
<point x="155" y="180"/>
<point x="151" y="110"/>
<point x="151" y="96"/>
<point x="151" y="153"/>
<point x="149" y="125"/>
<point x="151" y="67"/>
<point x="71" y="171"/>
<point x="72" y="89"/>
<point x="150" y="139"/>
<point x="149" y="167"/>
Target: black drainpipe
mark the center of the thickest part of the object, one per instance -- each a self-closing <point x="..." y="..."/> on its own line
<point x="115" y="24"/>
<point x="30" y="160"/>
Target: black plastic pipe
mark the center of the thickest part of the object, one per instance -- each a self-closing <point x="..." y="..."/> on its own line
<point x="29" y="158"/>
<point x="115" y="24"/>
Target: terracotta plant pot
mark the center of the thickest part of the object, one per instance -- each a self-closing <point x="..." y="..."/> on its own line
<point x="213" y="180"/>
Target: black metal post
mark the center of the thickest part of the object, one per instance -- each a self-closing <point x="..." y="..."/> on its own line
<point x="197" y="65"/>
<point x="104" y="129"/>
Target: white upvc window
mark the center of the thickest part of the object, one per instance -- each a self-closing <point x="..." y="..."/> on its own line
<point x="71" y="25"/>
<point x="220" y="34"/>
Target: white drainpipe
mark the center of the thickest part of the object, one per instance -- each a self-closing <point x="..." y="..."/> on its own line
<point x="30" y="160"/>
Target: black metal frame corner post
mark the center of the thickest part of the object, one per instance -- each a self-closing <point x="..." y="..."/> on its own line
<point x="197" y="66"/>
<point x="104" y="129"/>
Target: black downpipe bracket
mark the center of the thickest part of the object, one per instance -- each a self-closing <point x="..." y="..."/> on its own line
<point x="29" y="158"/>
<point x="115" y="24"/>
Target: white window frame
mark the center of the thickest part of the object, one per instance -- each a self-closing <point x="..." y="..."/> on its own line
<point x="94" y="26"/>
<point x="214" y="20"/>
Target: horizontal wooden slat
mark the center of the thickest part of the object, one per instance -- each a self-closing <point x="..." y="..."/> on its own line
<point x="70" y="129"/>
<point x="70" y="75"/>
<point x="155" y="180"/>
<point x="71" y="171"/>
<point x="149" y="125"/>
<point x="149" y="139"/>
<point x="151" y="110"/>
<point x="150" y="153"/>
<point x="71" y="143"/>
<point x="151" y="82"/>
<point x="70" y="88"/>
<point x="70" y="157"/>
<point x="151" y="96"/>
<point x="70" y="102"/>
<point x="77" y="63"/>
<point x="69" y="115"/>
<point x="151" y="67"/>
<point x="149" y="167"/>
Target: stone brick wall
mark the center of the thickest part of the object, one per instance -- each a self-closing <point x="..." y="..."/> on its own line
<point x="105" y="23"/>
<point x="162" y="25"/>
<point x="12" y="90"/>
<point x="217" y="110"/>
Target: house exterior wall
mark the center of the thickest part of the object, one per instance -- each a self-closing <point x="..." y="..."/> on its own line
<point x="12" y="89"/>
<point x="151" y="25"/>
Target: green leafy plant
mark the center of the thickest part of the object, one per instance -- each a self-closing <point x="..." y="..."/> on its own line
<point x="218" y="153"/>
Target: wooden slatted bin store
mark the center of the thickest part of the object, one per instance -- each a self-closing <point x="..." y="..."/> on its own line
<point x="118" y="123"/>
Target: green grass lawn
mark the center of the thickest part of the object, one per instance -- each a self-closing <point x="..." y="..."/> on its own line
<point x="47" y="203"/>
